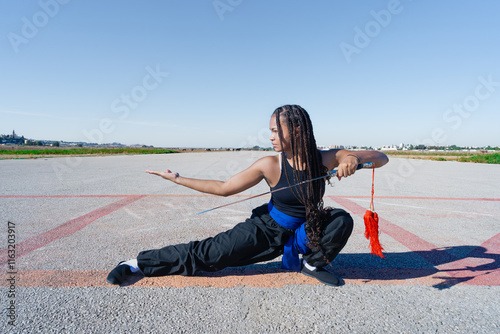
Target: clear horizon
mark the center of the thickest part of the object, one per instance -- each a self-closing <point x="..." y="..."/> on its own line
<point x="224" y="147"/>
<point x="176" y="74"/>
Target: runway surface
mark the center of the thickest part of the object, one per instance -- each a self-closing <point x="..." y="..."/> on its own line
<point x="73" y="219"/>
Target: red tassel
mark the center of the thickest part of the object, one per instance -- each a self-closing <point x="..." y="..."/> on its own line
<point x="371" y="226"/>
<point x="371" y="232"/>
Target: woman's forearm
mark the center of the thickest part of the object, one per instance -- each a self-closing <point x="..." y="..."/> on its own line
<point x="379" y="159"/>
<point x="213" y="187"/>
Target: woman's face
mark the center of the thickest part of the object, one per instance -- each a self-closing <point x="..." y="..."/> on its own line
<point x="279" y="145"/>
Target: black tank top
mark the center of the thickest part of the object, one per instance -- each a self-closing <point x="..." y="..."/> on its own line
<point x="287" y="200"/>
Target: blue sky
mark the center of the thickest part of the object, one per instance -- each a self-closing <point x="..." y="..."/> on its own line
<point x="209" y="73"/>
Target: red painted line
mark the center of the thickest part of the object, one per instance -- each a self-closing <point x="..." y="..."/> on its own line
<point x="231" y="278"/>
<point x="227" y="279"/>
<point x="242" y="195"/>
<point x="64" y="196"/>
<point x="120" y="196"/>
<point x="96" y="278"/>
<point x="64" y="230"/>
<point x="493" y="244"/>
<point x="425" y="198"/>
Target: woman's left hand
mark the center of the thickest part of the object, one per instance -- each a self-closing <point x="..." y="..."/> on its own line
<point x="167" y="175"/>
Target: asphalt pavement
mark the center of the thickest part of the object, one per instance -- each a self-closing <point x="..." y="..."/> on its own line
<point x="68" y="221"/>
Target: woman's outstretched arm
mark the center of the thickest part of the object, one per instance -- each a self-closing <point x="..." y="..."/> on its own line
<point x="236" y="184"/>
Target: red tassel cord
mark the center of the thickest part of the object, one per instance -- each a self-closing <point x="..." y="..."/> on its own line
<point x="371" y="225"/>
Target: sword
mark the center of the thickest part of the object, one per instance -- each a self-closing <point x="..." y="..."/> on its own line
<point x="330" y="173"/>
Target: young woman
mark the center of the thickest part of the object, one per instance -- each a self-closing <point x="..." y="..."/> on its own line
<point x="294" y="221"/>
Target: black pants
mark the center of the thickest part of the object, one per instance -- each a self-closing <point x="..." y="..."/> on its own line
<point x="258" y="239"/>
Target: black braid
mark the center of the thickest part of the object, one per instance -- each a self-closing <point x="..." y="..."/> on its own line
<point x="305" y="151"/>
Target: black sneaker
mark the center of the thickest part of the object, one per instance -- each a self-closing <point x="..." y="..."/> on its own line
<point x="120" y="274"/>
<point x="321" y="275"/>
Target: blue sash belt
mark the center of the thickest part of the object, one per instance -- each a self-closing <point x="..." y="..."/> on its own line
<point x="297" y="242"/>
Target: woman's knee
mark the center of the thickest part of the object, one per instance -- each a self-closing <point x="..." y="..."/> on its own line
<point x="336" y="233"/>
<point x="338" y="228"/>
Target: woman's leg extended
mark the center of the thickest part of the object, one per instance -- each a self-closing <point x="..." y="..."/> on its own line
<point x="257" y="239"/>
<point x="338" y="229"/>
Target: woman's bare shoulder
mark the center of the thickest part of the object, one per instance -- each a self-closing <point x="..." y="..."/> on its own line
<point x="269" y="162"/>
<point x="269" y="167"/>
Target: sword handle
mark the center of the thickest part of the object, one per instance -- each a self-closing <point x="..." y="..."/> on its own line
<point x="360" y="166"/>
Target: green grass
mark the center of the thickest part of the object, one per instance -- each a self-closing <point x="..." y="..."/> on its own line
<point x="85" y="151"/>
<point x="426" y="153"/>
<point x="489" y="158"/>
<point x="493" y="158"/>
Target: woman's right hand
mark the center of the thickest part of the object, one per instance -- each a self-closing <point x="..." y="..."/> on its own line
<point x="167" y="175"/>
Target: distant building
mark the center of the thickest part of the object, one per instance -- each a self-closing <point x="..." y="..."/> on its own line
<point x="389" y="148"/>
<point x="12" y="139"/>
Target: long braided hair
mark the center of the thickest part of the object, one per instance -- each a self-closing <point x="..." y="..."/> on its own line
<point x="305" y="154"/>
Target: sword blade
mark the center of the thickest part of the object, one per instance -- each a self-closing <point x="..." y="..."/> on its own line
<point x="329" y="173"/>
